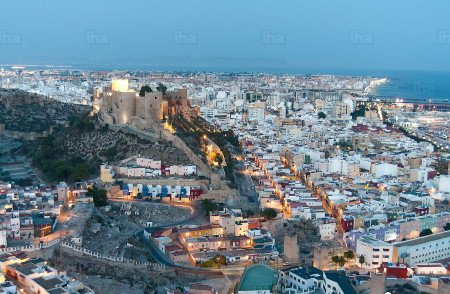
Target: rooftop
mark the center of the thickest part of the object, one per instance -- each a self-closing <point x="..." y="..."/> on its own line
<point x="424" y="239"/>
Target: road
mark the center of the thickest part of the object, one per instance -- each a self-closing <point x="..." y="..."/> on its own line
<point x="196" y="218"/>
<point x="245" y="183"/>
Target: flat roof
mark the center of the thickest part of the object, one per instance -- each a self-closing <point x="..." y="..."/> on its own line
<point x="49" y="283"/>
<point x="342" y="280"/>
<point x="424" y="239"/>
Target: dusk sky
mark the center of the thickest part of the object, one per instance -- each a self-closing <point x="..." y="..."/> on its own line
<point x="297" y="34"/>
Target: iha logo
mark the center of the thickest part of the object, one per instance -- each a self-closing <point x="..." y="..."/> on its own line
<point x="357" y="37"/>
<point x="7" y="38"/>
<point x="95" y="38"/>
<point x="270" y="38"/>
<point x="443" y="37"/>
<point x="183" y="38"/>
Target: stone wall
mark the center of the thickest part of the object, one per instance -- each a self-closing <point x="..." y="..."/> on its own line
<point x="202" y="168"/>
<point x="220" y="196"/>
<point x="31" y="248"/>
<point x="31" y="136"/>
<point x="80" y="251"/>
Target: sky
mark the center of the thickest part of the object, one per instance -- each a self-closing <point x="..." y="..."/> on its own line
<point x="244" y="34"/>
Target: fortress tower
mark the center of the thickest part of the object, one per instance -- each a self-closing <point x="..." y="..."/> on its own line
<point x="120" y="105"/>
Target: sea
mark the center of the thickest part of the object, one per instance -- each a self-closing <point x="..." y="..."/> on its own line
<point x="413" y="86"/>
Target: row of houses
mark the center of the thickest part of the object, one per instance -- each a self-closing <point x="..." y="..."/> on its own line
<point x="142" y="191"/>
<point x="141" y="168"/>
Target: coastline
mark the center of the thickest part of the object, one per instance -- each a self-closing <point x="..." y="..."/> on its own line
<point x="374" y="85"/>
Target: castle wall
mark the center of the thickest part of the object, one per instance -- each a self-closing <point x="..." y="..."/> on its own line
<point x="154" y="106"/>
<point x="124" y="107"/>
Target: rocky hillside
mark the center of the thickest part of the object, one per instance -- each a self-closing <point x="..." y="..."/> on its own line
<point x="74" y="151"/>
<point x="26" y="112"/>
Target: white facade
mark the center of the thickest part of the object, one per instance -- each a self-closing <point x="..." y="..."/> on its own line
<point x="424" y="249"/>
<point x="327" y="230"/>
<point x="430" y="269"/>
<point x="150" y="163"/>
<point x="443" y="183"/>
<point x="376" y="252"/>
<point x="255" y="112"/>
<point x="385" y="169"/>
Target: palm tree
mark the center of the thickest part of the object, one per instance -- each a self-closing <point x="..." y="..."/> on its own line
<point x="362" y="259"/>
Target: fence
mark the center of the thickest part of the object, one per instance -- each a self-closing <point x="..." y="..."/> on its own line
<point x="87" y="252"/>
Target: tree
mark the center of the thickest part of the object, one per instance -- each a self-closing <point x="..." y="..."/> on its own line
<point x="322" y="115"/>
<point x="269" y="213"/>
<point x="84" y="124"/>
<point x="447" y="227"/>
<point x="360" y="111"/>
<point x="99" y="196"/>
<point x="426" y="232"/>
<point x="208" y="206"/>
<point x="349" y="254"/>
<point x="361" y="259"/>
<point x="250" y="213"/>
<point x="145" y="89"/>
<point x="161" y="88"/>
<point x="80" y="172"/>
<point x="338" y="260"/>
<point x="24" y="182"/>
<point x="220" y="259"/>
<point x="219" y="160"/>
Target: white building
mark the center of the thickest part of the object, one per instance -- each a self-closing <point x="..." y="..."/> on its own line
<point x="385" y="169"/>
<point x="375" y="252"/>
<point x="423" y="249"/>
<point x="255" y="112"/>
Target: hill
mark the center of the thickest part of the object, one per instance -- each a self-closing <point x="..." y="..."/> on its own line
<point x="27" y="112"/>
<point x="74" y="150"/>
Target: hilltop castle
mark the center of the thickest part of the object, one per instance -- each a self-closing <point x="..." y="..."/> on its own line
<point x="118" y="105"/>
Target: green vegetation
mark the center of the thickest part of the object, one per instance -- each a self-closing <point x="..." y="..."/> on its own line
<point x="339" y="260"/>
<point x="411" y="136"/>
<point x="99" y="196"/>
<point x="426" y="232"/>
<point x="209" y="206"/>
<point x="161" y="88"/>
<point x="349" y="255"/>
<point x="109" y="153"/>
<point x="344" y="145"/>
<point x="104" y="128"/>
<point x="215" y="262"/>
<point x="84" y="124"/>
<point x="28" y="112"/>
<point x="269" y="213"/>
<point x="441" y="166"/>
<point x="361" y="259"/>
<point x="249" y="213"/>
<point x="56" y="170"/>
<point x="321" y="115"/>
<point x="145" y="89"/>
<point x="192" y="132"/>
<point x="359" y="112"/>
